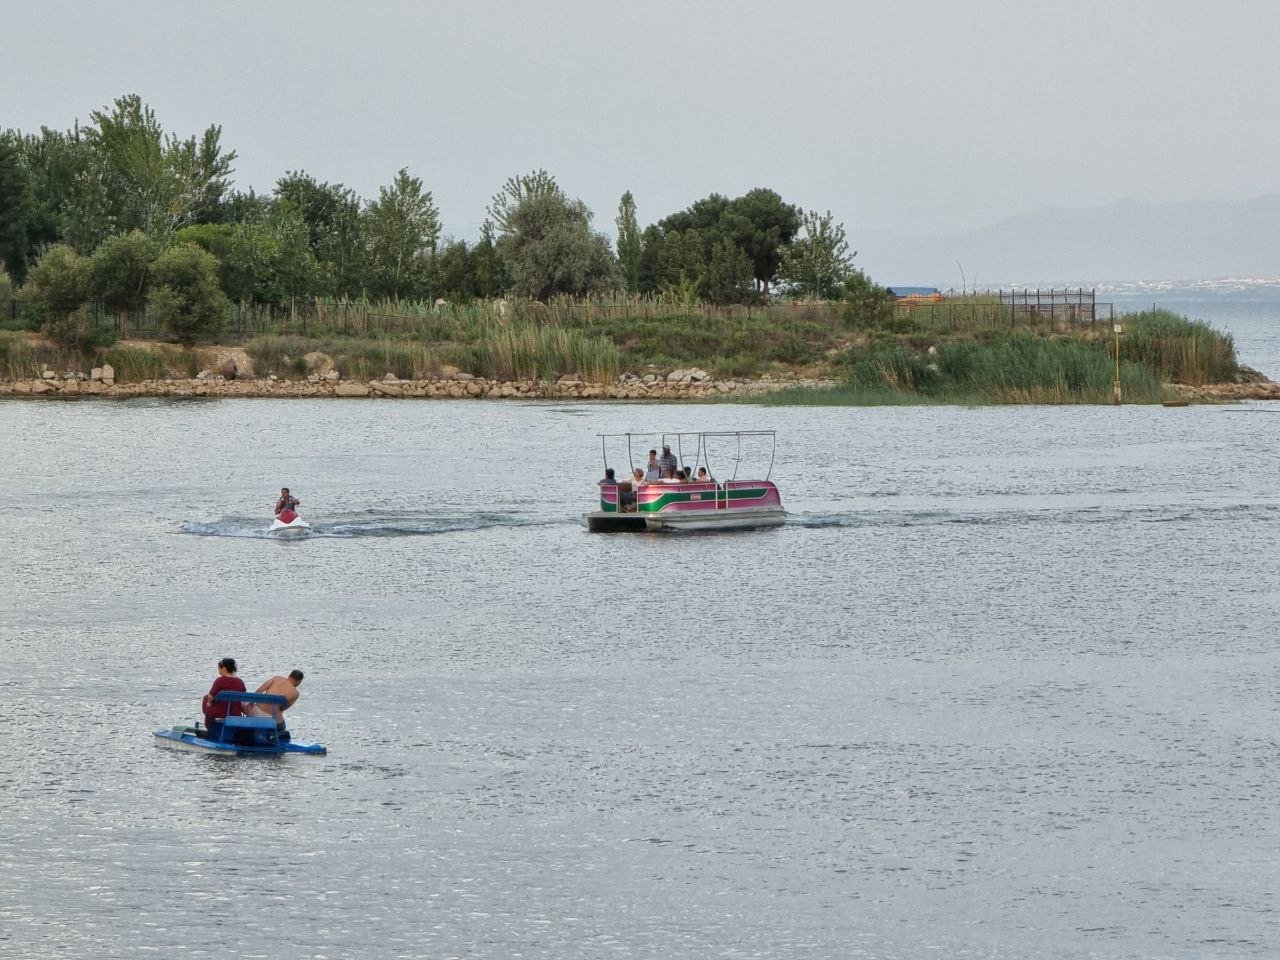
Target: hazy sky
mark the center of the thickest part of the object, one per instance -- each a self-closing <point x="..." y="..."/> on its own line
<point x="922" y="117"/>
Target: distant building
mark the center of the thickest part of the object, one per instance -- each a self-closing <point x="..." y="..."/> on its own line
<point x="915" y="294"/>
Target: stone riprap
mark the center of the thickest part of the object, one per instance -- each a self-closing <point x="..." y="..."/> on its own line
<point x="676" y="385"/>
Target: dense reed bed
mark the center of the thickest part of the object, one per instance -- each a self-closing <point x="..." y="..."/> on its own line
<point x="1000" y="368"/>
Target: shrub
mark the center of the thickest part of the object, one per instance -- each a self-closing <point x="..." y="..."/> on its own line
<point x="186" y="298"/>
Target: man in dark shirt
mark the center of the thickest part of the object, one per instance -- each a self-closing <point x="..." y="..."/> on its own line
<point x="215" y="713"/>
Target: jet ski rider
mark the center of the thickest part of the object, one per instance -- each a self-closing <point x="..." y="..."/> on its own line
<point x="287" y="501"/>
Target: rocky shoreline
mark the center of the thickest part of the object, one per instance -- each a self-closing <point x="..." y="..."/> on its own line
<point x="692" y="384"/>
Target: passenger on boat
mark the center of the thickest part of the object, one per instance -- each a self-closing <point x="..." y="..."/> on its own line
<point x="670" y="476"/>
<point x="668" y="460"/>
<point x="608" y="480"/>
<point x="287" y="501"/>
<point x="626" y="496"/>
<point x="704" y="477"/>
<point x="215" y="713"/>
<point x="653" y="471"/>
<point x="638" y="479"/>
<point x="286" y="687"/>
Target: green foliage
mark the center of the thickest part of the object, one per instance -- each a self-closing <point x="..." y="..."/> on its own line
<point x="331" y="215"/>
<point x="539" y="352"/>
<point x="1003" y="368"/>
<point x="549" y="249"/>
<point x="76" y="330"/>
<point x="728" y="277"/>
<point x="630" y="248"/>
<point x="353" y="359"/>
<point x="1180" y="350"/>
<point x="185" y="296"/>
<point x="119" y="270"/>
<point x="400" y="231"/>
<point x="263" y="261"/>
<point x="758" y="223"/>
<point x="537" y="184"/>
<point x="682" y="264"/>
<point x="134" y="364"/>
<point x="142" y="179"/>
<point x="864" y="303"/>
<point x="59" y="280"/>
<point x="15" y="190"/>
<point x="816" y="265"/>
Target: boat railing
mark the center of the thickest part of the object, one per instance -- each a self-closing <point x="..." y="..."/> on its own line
<point x="700" y="454"/>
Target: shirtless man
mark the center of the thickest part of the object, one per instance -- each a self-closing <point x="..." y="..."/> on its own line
<point x="286" y="687"/>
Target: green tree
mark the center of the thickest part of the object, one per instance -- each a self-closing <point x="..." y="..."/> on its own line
<point x="454" y="272"/>
<point x="758" y="223"/>
<point x="331" y="214"/>
<point x="728" y="277"/>
<point x="630" y="247"/>
<point x="770" y="226"/>
<point x="119" y="272"/>
<point x="682" y="264"/>
<point x="817" y="263"/>
<point x="490" y="272"/>
<point x="865" y="303"/>
<point x="15" y="194"/>
<point x="260" y="261"/>
<point x="533" y="185"/>
<point x="59" y="280"/>
<point x="140" y="178"/>
<point x="549" y="249"/>
<point x="56" y="290"/>
<point x="185" y="295"/>
<point x="649" y="272"/>
<point x="400" y="229"/>
<point x="61" y="206"/>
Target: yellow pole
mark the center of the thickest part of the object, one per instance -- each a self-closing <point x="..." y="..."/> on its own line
<point x="1117" y="398"/>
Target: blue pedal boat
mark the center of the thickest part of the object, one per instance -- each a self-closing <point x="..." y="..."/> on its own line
<point x="239" y="736"/>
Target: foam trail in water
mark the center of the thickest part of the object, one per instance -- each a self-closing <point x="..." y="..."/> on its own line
<point x="373" y="525"/>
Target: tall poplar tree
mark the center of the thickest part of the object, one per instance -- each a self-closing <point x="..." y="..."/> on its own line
<point x="630" y="247"/>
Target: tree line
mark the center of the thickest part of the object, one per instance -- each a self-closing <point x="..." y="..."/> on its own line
<point x="119" y="211"/>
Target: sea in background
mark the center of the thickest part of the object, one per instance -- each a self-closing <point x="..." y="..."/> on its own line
<point x="1004" y="686"/>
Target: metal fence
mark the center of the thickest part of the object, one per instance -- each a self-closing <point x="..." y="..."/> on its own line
<point x="1050" y="310"/>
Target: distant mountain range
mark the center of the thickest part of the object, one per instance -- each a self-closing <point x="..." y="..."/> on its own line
<point x="1127" y="240"/>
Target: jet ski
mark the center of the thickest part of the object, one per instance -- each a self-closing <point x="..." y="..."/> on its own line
<point x="288" y="523"/>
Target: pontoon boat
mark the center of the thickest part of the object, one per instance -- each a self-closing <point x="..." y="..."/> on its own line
<point x="729" y="504"/>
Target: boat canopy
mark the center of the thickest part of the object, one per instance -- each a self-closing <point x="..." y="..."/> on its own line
<point x="697" y="439"/>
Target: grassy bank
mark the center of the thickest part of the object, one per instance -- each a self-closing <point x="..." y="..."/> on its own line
<point x="886" y="359"/>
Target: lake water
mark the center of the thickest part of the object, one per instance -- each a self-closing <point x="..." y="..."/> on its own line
<point x="1004" y="686"/>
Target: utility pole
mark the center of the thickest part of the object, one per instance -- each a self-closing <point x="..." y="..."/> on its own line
<point x="1117" y="398"/>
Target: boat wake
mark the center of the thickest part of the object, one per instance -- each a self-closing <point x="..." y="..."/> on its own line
<point x="370" y="524"/>
<point x="1171" y="513"/>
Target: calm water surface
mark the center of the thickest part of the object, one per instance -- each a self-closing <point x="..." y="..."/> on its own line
<point x="1005" y="686"/>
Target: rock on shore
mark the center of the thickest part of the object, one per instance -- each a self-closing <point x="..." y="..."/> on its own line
<point x="677" y="385"/>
